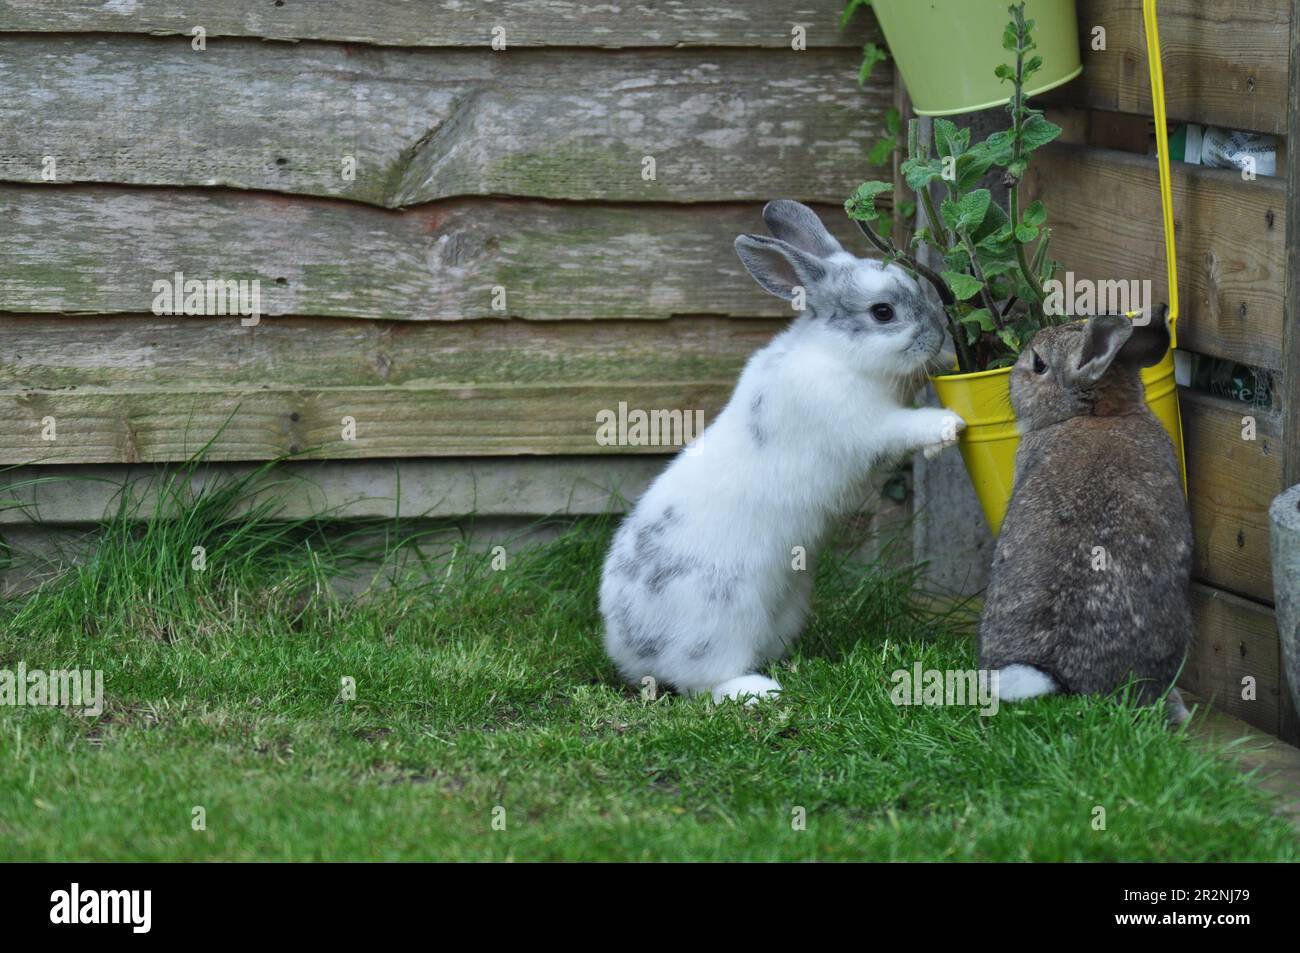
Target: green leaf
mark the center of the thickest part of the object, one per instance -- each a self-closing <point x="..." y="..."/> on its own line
<point x="983" y="317"/>
<point x="853" y="7"/>
<point x="1036" y="213"/>
<point x="958" y="260"/>
<point x="992" y="267"/>
<point x="861" y="205"/>
<point x="1010" y="339"/>
<point x="882" y="151"/>
<point x="976" y="323"/>
<point x="920" y="173"/>
<point x="871" y="55"/>
<point x="995" y="224"/>
<point x="949" y="141"/>
<point x="999" y="145"/>
<point x="944" y="130"/>
<point x="966" y="215"/>
<point x="964" y="287"/>
<point x="1004" y="72"/>
<point x="1032" y="65"/>
<point x="1026" y="233"/>
<point x="972" y="166"/>
<point x="1037" y="132"/>
<point x="893" y="121"/>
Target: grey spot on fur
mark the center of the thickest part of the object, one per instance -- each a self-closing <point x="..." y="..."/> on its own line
<point x="699" y="650"/>
<point x="647" y="641"/>
<point x="664" y="572"/>
<point x="755" y="426"/>
<point x="846" y="323"/>
<point x="649" y="649"/>
<point x="721" y="589"/>
<point x="651" y="556"/>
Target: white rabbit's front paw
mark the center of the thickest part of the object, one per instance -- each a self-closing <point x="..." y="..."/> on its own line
<point x="950" y="424"/>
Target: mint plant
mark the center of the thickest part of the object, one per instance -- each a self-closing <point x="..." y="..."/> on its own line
<point x="996" y="260"/>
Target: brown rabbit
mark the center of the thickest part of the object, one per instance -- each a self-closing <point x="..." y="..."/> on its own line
<point x="1091" y="574"/>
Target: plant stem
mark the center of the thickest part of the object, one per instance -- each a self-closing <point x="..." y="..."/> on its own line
<point x="1017" y="135"/>
<point x="935" y="222"/>
<point x="978" y="271"/>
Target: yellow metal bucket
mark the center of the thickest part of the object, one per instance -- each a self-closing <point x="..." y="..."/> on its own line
<point x="988" y="444"/>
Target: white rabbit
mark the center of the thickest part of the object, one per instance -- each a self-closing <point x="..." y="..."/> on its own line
<point x="704" y="583"/>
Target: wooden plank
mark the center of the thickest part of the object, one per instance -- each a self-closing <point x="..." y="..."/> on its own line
<point x="1290" y="716"/>
<point x="414" y="421"/>
<point x="1104" y="210"/>
<point x="527" y="23"/>
<point x="1231" y="481"/>
<point x="346" y="490"/>
<point x="1236" y="639"/>
<point x="99" y="250"/>
<point x="142" y="352"/>
<point x="1271" y="764"/>
<point x="400" y="127"/>
<point x="1225" y="62"/>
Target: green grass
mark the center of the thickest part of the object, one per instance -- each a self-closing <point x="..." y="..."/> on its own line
<point x="479" y="689"/>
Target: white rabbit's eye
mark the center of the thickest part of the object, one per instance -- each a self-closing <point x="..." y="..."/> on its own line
<point x="1039" y="366"/>
<point x="882" y="312"/>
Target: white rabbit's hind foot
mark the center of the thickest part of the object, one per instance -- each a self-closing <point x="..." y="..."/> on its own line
<point x="750" y="688"/>
<point x="1018" y="682"/>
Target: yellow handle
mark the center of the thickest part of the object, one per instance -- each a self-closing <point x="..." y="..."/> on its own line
<point x="1162" y="148"/>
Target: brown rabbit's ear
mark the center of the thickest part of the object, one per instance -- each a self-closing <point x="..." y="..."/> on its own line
<point x="1149" y="342"/>
<point x="1104" y="337"/>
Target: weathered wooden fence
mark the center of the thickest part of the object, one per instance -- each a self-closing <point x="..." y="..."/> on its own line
<point x="472" y="226"/>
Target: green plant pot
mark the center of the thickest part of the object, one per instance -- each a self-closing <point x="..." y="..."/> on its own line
<point x="947" y="50"/>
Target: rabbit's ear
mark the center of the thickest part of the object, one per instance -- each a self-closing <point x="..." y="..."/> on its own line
<point x="777" y="266"/>
<point x="799" y="225"/>
<point x="1103" y="338"/>
<point x="1149" y="342"/>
